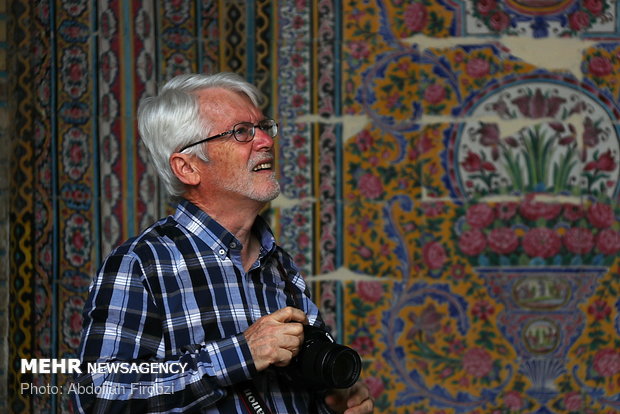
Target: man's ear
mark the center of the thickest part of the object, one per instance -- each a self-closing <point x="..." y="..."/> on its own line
<point x="186" y="168"/>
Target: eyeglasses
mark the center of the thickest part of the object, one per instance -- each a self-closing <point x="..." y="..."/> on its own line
<point x="243" y="132"/>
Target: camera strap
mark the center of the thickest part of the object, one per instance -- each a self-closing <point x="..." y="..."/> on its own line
<point x="251" y="399"/>
<point x="288" y="287"/>
<point x="247" y="392"/>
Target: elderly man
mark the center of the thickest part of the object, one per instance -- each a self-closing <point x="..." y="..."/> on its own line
<point x="203" y="311"/>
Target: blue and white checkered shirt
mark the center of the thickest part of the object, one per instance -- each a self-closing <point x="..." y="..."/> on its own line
<point x="177" y="294"/>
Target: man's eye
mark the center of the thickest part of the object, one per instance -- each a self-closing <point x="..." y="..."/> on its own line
<point x="242" y="130"/>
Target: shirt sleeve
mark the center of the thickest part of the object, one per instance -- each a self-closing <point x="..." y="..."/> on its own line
<point x="123" y="335"/>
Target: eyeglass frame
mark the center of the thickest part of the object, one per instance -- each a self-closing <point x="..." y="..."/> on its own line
<point x="232" y="131"/>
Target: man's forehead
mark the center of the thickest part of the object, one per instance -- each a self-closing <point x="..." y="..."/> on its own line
<point x="224" y="103"/>
<point x="220" y="96"/>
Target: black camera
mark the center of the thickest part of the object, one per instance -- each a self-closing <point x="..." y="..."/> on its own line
<point x="322" y="363"/>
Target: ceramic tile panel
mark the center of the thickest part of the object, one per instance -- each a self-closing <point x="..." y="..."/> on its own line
<point x="449" y="176"/>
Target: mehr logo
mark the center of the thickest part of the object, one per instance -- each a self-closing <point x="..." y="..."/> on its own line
<point x="51" y="366"/>
<point x="72" y="365"/>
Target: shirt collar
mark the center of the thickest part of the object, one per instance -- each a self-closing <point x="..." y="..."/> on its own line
<point x="214" y="234"/>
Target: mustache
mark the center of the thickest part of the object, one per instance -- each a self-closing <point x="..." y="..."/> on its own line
<point x="260" y="159"/>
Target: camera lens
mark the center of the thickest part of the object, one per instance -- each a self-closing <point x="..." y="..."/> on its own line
<point x="331" y="365"/>
<point x="343" y="368"/>
<point x="322" y="363"/>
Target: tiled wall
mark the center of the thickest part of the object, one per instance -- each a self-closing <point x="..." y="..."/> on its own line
<point x="475" y="202"/>
<point x="449" y="174"/>
<point x="4" y="202"/>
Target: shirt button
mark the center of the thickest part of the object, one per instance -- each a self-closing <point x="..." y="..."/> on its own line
<point x="233" y="245"/>
<point x="222" y="252"/>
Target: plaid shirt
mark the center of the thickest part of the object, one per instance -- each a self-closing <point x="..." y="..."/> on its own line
<point x="178" y="294"/>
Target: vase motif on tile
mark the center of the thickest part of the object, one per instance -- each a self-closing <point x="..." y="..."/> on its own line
<point x="539" y="218"/>
<point x="541" y="318"/>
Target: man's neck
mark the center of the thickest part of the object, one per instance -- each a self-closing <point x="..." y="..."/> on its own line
<point x="238" y="220"/>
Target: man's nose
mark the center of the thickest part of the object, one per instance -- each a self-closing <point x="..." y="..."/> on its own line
<point x="262" y="138"/>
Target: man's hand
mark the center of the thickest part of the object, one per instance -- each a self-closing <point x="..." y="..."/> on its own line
<point x="273" y="340"/>
<point x="354" y="400"/>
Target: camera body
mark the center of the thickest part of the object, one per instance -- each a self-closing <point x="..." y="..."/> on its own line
<point x="322" y="363"/>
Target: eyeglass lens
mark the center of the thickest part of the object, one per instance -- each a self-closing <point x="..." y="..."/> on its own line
<point x="245" y="131"/>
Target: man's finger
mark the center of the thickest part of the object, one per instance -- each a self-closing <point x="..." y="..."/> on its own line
<point x="364" y="408"/>
<point x="290" y="314"/>
<point x="359" y="393"/>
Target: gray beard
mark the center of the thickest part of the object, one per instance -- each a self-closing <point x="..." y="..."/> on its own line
<point x="245" y="188"/>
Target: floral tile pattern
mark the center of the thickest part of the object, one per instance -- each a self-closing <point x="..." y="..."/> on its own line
<point x="547" y="18"/>
<point x="493" y="239"/>
<point x="466" y="235"/>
